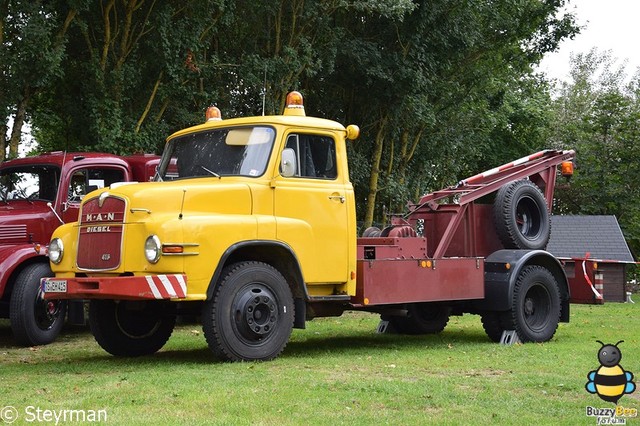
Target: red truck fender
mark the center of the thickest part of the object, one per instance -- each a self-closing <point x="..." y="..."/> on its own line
<point x="500" y="279"/>
<point x="13" y="257"/>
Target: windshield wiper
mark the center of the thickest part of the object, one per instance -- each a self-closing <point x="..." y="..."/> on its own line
<point x="24" y="195"/>
<point x="211" y="172"/>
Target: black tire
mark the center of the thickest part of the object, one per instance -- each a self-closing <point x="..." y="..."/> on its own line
<point x="250" y="317"/>
<point x="422" y="318"/>
<point x="535" y="309"/>
<point x="521" y="216"/>
<point x="494" y="324"/>
<point x="35" y="320"/>
<point x="131" y="329"/>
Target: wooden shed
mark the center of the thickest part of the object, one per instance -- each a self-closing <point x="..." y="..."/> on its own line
<point x="600" y="239"/>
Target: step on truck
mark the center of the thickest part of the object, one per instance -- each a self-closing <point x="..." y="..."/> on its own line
<point x="37" y="194"/>
<point x="251" y="223"/>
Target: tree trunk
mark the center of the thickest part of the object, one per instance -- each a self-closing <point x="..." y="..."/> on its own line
<point x="375" y="173"/>
<point x="18" y="121"/>
<point x="3" y="141"/>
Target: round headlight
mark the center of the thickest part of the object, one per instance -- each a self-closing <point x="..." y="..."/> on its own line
<point x="152" y="249"/>
<point x="56" y="250"/>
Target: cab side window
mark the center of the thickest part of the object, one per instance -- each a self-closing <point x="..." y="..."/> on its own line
<point x="315" y="156"/>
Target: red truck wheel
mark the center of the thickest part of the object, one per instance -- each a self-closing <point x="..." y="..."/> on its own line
<point x="250" y="316"/>
<point x="521" y="216"/>
<point x="35" y="320"/>
<point x="131" y="328"/>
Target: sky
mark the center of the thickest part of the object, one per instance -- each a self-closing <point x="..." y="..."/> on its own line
<point x="608" y="25"/>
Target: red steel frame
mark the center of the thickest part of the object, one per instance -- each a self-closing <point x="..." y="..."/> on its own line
<point x="447" y="263"/>
<point x="540" y="168"/>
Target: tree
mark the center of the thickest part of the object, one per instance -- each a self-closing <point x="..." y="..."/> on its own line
<point x="126" y="64"/>
<point x="598" y="115"/>
<point x="32" y="40"/>
<point x="440" y="88"/>
<point x="432" y="87"/>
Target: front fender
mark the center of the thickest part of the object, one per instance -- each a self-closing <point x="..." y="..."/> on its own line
<point x="12" y="256"/>
<point x="499" y="280"/>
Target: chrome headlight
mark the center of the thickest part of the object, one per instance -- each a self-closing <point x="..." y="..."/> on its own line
<point x="152" y="248"/>
<point x="56" y="250"/>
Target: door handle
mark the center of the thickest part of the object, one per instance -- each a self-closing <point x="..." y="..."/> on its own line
<point x="337" y="197"/>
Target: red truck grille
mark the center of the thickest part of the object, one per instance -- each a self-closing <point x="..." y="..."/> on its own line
<point x="100" y="239"/>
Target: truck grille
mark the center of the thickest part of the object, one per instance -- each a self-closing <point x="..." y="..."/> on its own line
<point x="100" y="238"/>
<point x="13" y="234"/>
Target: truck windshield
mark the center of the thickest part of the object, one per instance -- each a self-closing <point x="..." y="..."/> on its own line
<point x="235" y="151"/>
<point x="29" y="183"/>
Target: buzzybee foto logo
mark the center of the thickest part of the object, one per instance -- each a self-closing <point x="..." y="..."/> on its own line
<point x="610" y="382"/>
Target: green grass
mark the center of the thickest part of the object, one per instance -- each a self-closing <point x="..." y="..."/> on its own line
<point x="337" y="371"/>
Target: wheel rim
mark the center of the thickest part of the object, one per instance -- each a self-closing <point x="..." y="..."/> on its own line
<point x="255" y="313"/>
<point x="536" y="307"/>
<point x="45" y="311"/>
<point x="136" y="324"/>
<point x="528" y="218"/>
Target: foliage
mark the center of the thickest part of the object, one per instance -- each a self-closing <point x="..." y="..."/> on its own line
<point x="32" y="35"/>
<point x="440" y="88"/>
<point x="437" y="93"/>
<point x="598" y="114"/>
<point x="337" y="371"/>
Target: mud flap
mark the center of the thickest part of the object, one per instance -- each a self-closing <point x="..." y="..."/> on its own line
<point x="75" y="313"/>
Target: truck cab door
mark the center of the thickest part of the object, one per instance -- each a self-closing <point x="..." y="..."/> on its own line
<point x="312" y="206"/>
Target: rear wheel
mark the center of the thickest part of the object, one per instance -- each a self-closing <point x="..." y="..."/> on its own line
<point x="422" y="318"/>
<point x="535" y="310"/>
<point x="250" y="316"/>
<point x="130" y="329"/>
<point x="34" y="319"/>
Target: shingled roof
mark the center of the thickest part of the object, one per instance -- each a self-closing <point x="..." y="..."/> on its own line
<point x="601" y="236"/>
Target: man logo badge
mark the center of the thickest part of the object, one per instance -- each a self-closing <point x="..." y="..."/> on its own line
<point x="106" y="257"/>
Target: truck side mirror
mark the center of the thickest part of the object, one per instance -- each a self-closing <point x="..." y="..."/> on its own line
<point x="288" y="164"/>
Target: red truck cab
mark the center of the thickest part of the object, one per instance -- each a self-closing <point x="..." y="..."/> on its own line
<point x="37" y="194"/>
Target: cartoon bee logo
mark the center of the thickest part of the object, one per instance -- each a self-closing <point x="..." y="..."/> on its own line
<point x="610" y="381"/>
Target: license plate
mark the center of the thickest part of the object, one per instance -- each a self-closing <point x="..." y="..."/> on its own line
<point x="55" y="286"/>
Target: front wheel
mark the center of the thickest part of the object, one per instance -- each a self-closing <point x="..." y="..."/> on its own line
<point x="535" y="309"/>
<point x="131" y="329"/>
<point x="250" y="316"/>
<point x="34" y="319"/>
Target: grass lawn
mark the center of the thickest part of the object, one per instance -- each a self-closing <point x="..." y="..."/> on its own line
<point x="337" y="371"/>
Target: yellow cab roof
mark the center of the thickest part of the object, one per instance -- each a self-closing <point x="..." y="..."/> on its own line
<point x="273" y="120"/>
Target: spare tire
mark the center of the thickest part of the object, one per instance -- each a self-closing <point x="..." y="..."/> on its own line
<point x="521" y="216"/>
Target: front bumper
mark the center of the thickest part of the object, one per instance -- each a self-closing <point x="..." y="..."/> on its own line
<point x="147" y="287"/>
